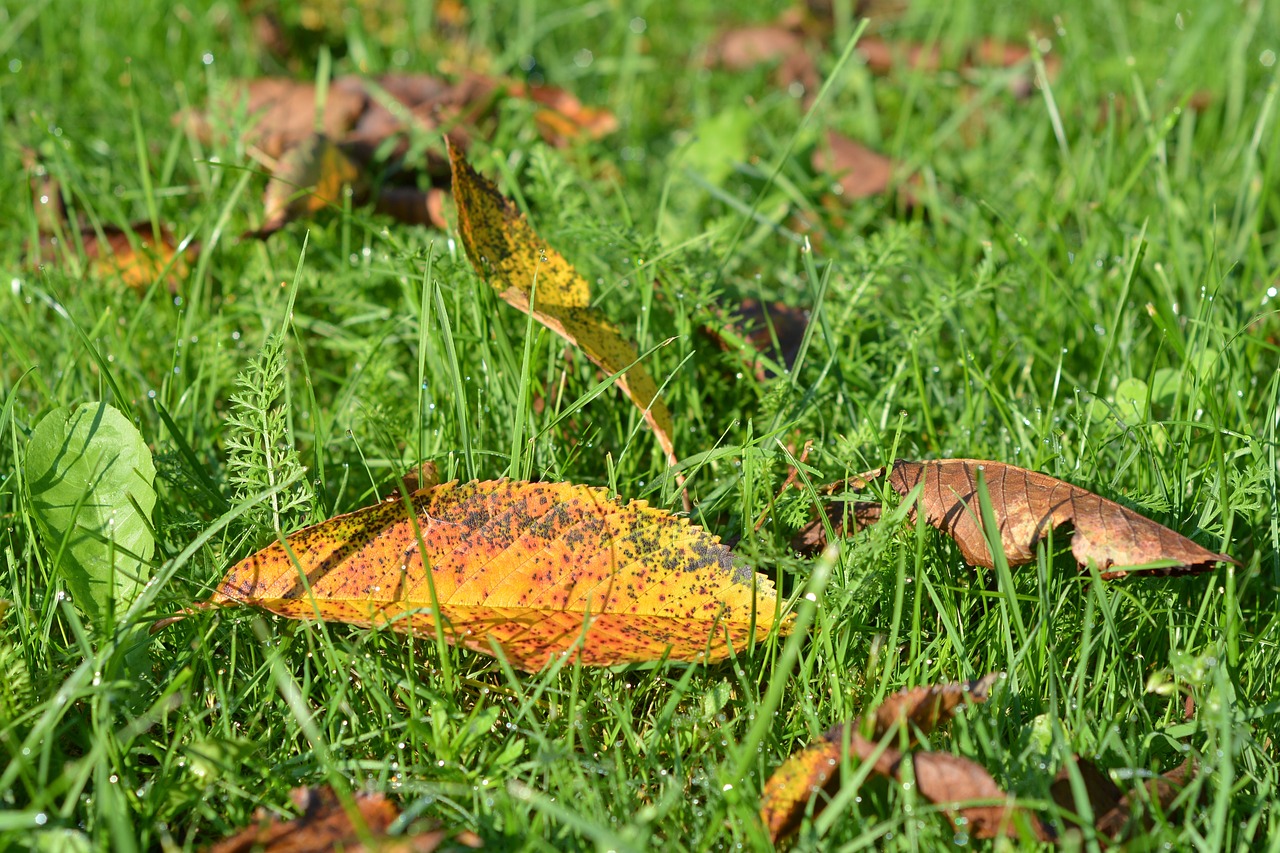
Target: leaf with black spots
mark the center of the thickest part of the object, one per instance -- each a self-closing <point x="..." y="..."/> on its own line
<point x="539" y="569"/>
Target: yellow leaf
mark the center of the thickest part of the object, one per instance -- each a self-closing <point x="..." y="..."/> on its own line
<point x="538" y="568"/>
<point x="509" y="254"/>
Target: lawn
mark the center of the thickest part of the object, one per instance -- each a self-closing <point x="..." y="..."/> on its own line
<point x="1075" y="272"/>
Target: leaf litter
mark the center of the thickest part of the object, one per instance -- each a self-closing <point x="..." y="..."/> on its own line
<point x="325" y="824"/>
<point x="813" y="774"/>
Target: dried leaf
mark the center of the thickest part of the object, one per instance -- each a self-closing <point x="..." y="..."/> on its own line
<point x="1028" y="504"/>
<point x="928" y="706"/>
<point x="743" y="48"/>
<point x="945" y="779"/>
<point x="137" y="255"/>
<point x="1113" y="811"/>
<point x="529" y="566"/>
<point x="282" y="112"/>
<point x="815" y="770"/>
<point x="845" y="517"/>
<point x="564" y="119"/>
<point x="775" y="330"/>
<point x="860" y="172"/>
<point x="746" y="47"/>
<point x="510" y="255"/>
<point x="309" y="178"/>
<point x="413" y="206"/>
<point x="326" y="825"/>
<point x="1102" y="794"/>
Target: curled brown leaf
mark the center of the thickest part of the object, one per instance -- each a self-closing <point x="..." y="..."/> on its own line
<point x="1027" y="505"/>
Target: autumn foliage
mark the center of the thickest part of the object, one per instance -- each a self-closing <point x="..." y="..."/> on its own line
<point x="528" y="570"/>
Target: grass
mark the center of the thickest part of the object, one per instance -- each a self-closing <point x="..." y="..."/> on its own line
<point x="1098" y="233"/>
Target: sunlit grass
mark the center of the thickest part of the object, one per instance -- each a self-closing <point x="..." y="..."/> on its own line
<point x="1087" y="289"/>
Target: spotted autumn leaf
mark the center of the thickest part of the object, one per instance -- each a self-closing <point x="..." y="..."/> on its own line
<point x="539" y="569"/>
<point x="1026" y="506"/>
<point x="510" y="255"/>
<point x="814" y="772"/>
<point x="326" y="825"/>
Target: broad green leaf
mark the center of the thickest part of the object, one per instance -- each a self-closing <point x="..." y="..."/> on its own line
<point x="90" y="475"/>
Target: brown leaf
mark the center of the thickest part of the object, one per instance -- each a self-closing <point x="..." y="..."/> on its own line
<point x="926" y="707"/>
<point x="282" y="112"/>
<point x="948" y="779"/>
<point x="845" y="517"/>
<point x="1113" y="811"/>
<point x="746" y="47"/>
<point x="1028" y="504"/>
<point x="423" y="477"/>
<point x="1102" y="794"/>
<point x="860" y="172"/>
<point x="816" y="769"/>
<point x="310" y="177"/>
<point x="413" y="206"/>
<point x="539" y="569"/>
<point x="882" y="56"/>
<point x="325" y="825"/>
<point x="564" y="119"/>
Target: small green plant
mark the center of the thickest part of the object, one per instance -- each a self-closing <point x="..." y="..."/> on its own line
<point x="260" y="453"/>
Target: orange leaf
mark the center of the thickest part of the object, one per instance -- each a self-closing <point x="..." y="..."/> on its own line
<point x="536" y="568"/>
<point x="510" y="255"/>
<point x="137" y="255"/>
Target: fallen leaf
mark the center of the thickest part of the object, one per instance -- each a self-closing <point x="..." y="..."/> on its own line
<point x="310" y="177"/>
<point x="885" y="57"/>
<point x="325" y="825"/>
<point x="952" y="780"/>
<point x="816" y="769"/>
<point x="137" y="255"/>
<point x="860" y="172"/>
<point x="845" y="518"/>
<point x="509" y="254"/>
<point x="1027" y="505"/>
<point x="423" y="477"/>
<point x="1102" y="794"/>
<point x="563" y="118"/>
<point x="775" y="330"/>
<point x="882" y="56"/>
<point x="1112" y="810"/>
<point x="533" y="567"/>
<point x="743" y="48"/>
<point x="281" y="112"/>
<point x="413" y="206"/>
<point x="928" y="706"/>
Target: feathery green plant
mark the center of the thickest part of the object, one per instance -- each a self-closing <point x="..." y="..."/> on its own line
<point x="260" y="453"/>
